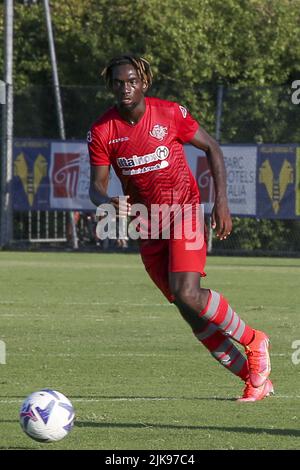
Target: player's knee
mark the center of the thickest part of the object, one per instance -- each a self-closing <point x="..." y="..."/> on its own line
<point x="186" y="295"/>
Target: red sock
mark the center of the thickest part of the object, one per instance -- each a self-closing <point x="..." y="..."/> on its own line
<point x="219" y="313"/>
<point x="223" y="350"/>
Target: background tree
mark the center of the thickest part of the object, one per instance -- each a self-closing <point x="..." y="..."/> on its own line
<point x="192" y="45"/>
<point x="252" y="47"/>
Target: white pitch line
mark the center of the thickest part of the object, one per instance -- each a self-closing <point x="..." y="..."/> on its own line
<point x="110" y="304"/>
<point x="120" y="304"/>
<point x="95" y="356"/>
<point x="72" y="266"/>
<point x="280" y="354"/>
<point x="93" y="400"/>
<point x="99" y="265"/>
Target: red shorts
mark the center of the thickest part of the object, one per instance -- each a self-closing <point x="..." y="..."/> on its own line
<point x="163" y="256"/>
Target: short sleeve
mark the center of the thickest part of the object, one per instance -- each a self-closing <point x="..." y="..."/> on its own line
<point x="97" y="152"/>
<point x="186" y="125"/>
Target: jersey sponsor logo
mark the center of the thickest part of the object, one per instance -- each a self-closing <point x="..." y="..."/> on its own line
<point x="119" y="139"/>
<point x="159" y="132"/>
<point x="160" y="154"/>
<point x="89" y="137"/>
<point x="183" y="111"/>
<point x="146" y="169"/>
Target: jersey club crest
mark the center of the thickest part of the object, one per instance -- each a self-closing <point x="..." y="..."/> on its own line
<point x="159" y="132"/>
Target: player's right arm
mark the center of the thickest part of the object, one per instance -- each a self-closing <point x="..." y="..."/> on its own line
<point x="98" y="190"/>
<point x="99" y="175"/>
<point x="99" y="166"/>
<point x="99" y="184"/>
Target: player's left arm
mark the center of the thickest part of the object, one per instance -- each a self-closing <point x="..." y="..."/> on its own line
<point x="221" y="219"/>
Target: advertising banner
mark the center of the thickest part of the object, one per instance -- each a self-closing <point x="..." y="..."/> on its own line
<point x="262" y="181"/>
<point x="240" y="163"/>
<point x="276" y="177"/>
<point x="31" y="185"/>
<point x="69" y="176"/>
<point x="54" y="175"/>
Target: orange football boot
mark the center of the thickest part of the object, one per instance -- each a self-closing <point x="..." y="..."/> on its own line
<point x="256" y="393"/>
<point x="258" y="359"/>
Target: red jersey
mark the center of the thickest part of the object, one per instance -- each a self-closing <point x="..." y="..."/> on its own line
<point x="148" y="157"/>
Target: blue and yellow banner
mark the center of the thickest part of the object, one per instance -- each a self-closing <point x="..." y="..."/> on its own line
<point x="31" y="188"/>
<point x="276" y="179"/>
<point x="262" y="181"/>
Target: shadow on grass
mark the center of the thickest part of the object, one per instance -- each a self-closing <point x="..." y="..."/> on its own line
<point x="242" y="429"/>
<point x="128" y="397"/>
<point x="17" y="448"/>
<point x="148" y="398"/>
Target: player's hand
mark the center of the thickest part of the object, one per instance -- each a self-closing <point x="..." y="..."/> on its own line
<point x="221" y="219"/>
<point x="122" y="206"/>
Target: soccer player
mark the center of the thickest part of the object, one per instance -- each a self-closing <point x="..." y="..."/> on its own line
<point x="142" y="138"/>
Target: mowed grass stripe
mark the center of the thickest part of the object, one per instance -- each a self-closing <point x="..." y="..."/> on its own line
<point x="133" y="399"/>
<point x="101" y="265"/>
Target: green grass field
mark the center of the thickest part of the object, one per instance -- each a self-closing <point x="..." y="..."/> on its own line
<point x="95" y="328"/>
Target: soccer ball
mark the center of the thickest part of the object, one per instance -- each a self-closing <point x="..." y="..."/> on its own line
<point x="47" y="415"/>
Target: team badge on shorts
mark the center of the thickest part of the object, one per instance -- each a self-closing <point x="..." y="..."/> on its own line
<point x="159" y="132"/>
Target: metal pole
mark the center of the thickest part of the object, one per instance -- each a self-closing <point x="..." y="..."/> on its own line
<point x="58" y="102"/>
<point x="59" y="108"/>
<point x="218" y="138"/>
<point x="219" y="112"/>
<point x="6" y="232"/>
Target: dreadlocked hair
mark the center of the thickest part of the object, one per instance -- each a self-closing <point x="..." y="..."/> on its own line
<point x="141" y="65"/>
